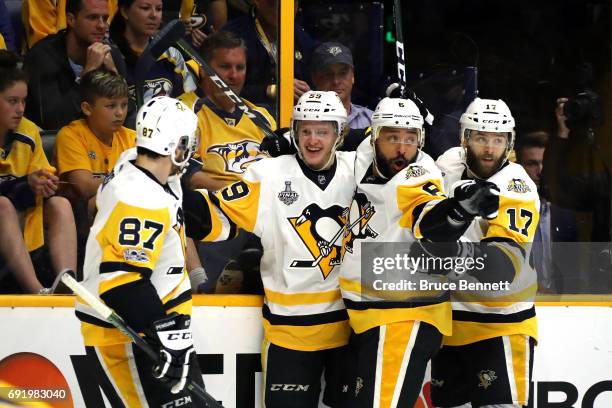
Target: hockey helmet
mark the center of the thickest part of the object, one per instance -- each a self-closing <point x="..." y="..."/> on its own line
<point x="165" y="124"/>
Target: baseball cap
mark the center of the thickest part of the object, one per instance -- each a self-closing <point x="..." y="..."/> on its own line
<point x="330" y="53"/>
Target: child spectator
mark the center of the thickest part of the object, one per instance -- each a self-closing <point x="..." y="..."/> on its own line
<point x="27" y="189"/>
<point x="86" y="150"/>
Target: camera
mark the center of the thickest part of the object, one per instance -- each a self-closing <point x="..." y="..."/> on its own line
<point x="584" y="108"/>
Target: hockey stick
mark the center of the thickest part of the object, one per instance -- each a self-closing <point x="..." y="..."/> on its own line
<point x="193" y="54"/>
<point x="405" y="92"/>
<point x="470" y="85"/>
<point x="399" y="46"/>
<point x="166" y="38"/>
<point x="311" y="264"/>
<point x="116" y="320"/>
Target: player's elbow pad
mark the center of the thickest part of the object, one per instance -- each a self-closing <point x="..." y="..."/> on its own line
<point x="498" y="267"/>
<point x="198" y="222"/>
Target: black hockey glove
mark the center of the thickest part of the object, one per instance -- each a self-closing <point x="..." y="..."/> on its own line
<point x="475" y="198"/>
<point x="172" y="336"/>
<point x="278" y="145"/>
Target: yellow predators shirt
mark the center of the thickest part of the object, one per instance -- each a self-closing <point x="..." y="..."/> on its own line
<point x="138" y="233"/>
<point x="229" y="142"/>
<point x="381" y="213"/>
<point x="301" y="225"/>
<point x="21" y="155"/>
<point x="483" y="315"/>
<point x="77" y="148"/>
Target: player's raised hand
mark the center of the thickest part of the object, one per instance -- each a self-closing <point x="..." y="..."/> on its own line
<point x="172" y="337"/>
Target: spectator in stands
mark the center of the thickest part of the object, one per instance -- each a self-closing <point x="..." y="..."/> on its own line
<point x="7" y="34"/>
<point x="56" y="63"/>
<point x="42" y="18"/>
<point x="86" y="150"/>
<point x="332" y="70"/>
<point x="27" y="189"/>
<point x="229" y="139"/>
<point x="260" y="32"/>
<point x="556" y="223"/>
<point x="131" y="29"/>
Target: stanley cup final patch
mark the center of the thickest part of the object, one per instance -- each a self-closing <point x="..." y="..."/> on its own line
<point x="288" y="196"/>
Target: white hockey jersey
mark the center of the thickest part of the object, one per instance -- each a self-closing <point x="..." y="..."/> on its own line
<point x="382" y="212"/>
<point x="486" y="314"/>
<point x="138" y="233"/>
<point x="301" y="227"/>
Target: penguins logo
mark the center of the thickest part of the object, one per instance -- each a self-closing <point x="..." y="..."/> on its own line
<point x="320" y="230"/>
<point x="518" y="186"/>
<point x="360" y="228"/>
<point x="237" y="156"/>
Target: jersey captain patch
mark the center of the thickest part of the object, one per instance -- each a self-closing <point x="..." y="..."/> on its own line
<point x="320" y="230"/>
<point x="237" y="156"/>
<point x="518" y="186"/>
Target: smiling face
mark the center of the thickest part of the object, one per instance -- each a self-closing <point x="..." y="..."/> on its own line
<point x="316" y="142"/>
<point x="486" y="152"/>
<point x="230" y="65"/>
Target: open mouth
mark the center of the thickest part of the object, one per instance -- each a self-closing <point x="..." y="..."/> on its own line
<point x="399" y="164"/>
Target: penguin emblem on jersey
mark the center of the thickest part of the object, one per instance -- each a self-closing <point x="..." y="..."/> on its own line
<point x="361" y="212"/>
<point x="288" y="196"/>
<point x="321" y="231"/>
<point x="518" y="186"/>
<point x="237" y="156"/>
<point x="415" y="171"/>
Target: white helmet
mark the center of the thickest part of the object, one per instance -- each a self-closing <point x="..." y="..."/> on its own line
<point x="397" y="113"/>
<point x="163" y="124"/>
<point x="488" y="115"/>
<point x="320" y="106"/>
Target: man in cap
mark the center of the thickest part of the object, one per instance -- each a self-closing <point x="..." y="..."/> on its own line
<point x="332" y="70"/>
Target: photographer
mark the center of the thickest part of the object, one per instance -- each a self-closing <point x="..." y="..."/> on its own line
<point x="578" y="177"/>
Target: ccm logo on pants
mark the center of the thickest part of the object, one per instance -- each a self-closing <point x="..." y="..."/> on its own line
<point x="289" y="387"/>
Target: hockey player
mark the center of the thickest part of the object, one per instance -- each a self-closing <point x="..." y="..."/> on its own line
<point x="298" y="205"/>
<point x="135" y="262"/>
<point x="489" y="357"/>
<point x="397" y="332"/>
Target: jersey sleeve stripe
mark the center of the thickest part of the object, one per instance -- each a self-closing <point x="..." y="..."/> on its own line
<point x="117" y="279"/>
<point x="182" y="298"/>
<point x="110" y="267"/>
<point x="295" y="299"/>
<point x="493" y="317"/>
<point x="305" y="320"/>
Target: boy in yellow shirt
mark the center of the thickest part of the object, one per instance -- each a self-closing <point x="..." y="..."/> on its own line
<point x="86" y="149"/>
